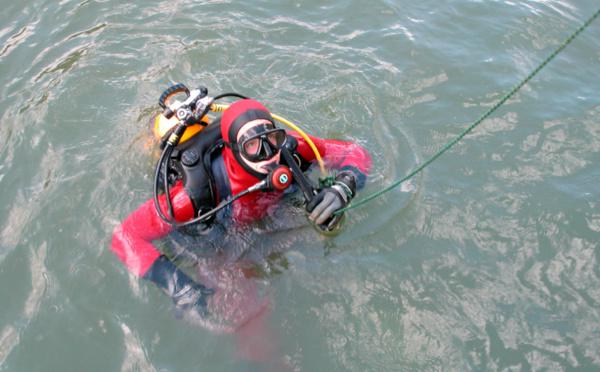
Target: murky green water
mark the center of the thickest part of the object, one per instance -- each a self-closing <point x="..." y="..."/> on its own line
<point x="487" y="261"/>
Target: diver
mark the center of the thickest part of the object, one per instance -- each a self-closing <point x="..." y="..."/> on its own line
<point x="236" y="154"/>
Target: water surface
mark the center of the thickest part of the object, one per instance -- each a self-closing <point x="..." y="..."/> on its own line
<point x="489" y="260"/>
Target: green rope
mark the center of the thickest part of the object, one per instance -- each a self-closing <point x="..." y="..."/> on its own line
<point x="477" y="122"/>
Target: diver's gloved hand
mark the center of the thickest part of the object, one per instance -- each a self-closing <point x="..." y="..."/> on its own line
<point x="192" y="297"/>
<point x="187" y="295"/>
<point x="331" y="199"/>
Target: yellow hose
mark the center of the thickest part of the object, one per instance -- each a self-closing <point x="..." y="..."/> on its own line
<point x="219" y="107"/>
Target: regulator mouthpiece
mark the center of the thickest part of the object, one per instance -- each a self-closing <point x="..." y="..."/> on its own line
<point x="279" y="178"/>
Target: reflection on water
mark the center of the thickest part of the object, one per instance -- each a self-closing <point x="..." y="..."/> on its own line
<point x="488" y="260"/>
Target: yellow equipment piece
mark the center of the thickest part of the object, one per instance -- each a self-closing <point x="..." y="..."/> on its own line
<point x="162" y="125"/>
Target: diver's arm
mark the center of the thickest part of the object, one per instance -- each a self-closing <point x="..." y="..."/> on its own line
<point x="341" y="155"/>
<point x="132" y="239"/>
<point x="132" y="243"/>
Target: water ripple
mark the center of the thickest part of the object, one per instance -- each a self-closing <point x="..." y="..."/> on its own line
<point x="11" y="334"/>
<point x="16" y="39"/>
<point x="488" y="260"/>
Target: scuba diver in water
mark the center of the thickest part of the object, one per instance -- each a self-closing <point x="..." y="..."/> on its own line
<point x="241" y="161"/>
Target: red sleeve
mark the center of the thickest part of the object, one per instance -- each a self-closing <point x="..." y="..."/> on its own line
<point x="336" y="153"/>
<point x="132" y="239"/>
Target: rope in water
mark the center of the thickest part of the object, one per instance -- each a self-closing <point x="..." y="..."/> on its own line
<point x="505" y="98"/>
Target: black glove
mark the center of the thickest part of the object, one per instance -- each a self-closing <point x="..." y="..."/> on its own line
<point x="186" y="294"/>
<point x="330" y="199"/>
